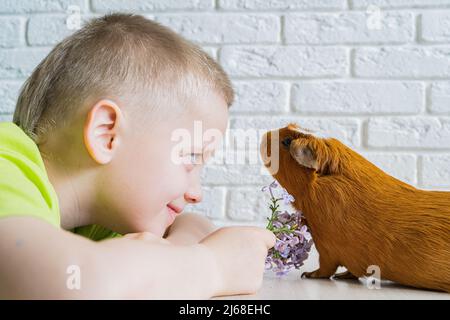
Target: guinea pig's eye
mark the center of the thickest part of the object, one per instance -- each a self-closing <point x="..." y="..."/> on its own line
<point x="287" y="142"/>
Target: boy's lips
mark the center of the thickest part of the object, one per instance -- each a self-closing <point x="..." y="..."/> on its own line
<point x="175" y="209"/>
<point x="172" y="211"/>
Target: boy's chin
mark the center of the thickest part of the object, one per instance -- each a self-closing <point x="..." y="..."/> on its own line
<point x="158" y="225"/>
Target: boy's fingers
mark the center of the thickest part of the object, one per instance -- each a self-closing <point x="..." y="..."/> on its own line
<point x="271" y="238"/>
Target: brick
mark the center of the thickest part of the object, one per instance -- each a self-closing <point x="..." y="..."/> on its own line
<point x="348" y="27"/>
<point x="236" y="174"/>
<point x="435" y="26"/>
<point x="281" y="4"/>
<point x="236" y="162"/>
<point x="150" y="5"/>
<point x="9" y="91"/>
<point x="228" y="222"/>
<point x="47" y="30"/>
<point x="11" y="34"/>
<point x="212" y="204"/>
<point x="260" y="96"/>
<point x="361" y="4"/>
<point x="224" y="28"/>
<point x="371" y="97"/>
<point x="347" y="130"/>
<point x="440" y="98"/>
<point x="412" y="62"/>
<point x="409" y="132"/>
<point x="248" y="204"/>
<point x="27" y="6"/>
<point x="400" y="166"/>
<point x="289" y="61"/>
<point x="436" y="171"/>
<point x="237" y="150"/>
<point x="211" y="51"/>
<point x="19" y="63"/>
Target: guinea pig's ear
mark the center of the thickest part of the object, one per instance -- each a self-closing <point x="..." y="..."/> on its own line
<point x="303" y="154"/>
<point x="319" y="154"/>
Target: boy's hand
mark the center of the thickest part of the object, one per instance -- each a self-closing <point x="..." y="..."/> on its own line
<point x="240" y="254"/>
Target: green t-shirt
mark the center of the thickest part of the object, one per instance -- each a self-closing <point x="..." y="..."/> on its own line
<point x="25" y="189"/>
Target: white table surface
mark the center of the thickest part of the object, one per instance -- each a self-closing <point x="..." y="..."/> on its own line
<point x="292" y="286"/>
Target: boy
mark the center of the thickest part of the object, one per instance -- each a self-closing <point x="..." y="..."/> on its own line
<point x="90" y="153"/>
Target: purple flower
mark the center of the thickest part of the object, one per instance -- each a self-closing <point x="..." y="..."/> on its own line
<point x="287" y="198"/>
<point x="280" y="245"/>
<point x="305" y="233"/>
<point x="294" y="241"/>
<point x="278" y="224"/>
<point x="273" y="185"/>
<point x="284" y="217"/>
<point x="293" y="238"/>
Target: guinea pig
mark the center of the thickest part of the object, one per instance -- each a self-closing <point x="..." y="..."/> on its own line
<point x="358" y="215"/>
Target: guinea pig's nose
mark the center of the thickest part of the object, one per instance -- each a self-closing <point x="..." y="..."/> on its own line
<point x="287" y="142"/>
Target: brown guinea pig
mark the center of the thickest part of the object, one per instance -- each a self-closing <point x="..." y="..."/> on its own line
<point x="358" y="215"/>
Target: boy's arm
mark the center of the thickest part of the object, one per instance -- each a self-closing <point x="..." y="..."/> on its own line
<point x="188" y="229"/>
<point x="39" y="261"/>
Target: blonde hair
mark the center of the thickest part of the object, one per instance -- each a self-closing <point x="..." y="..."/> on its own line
<point x="120" y="55"/>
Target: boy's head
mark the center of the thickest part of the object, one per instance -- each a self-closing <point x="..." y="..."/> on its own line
<point x="103" y="107"/>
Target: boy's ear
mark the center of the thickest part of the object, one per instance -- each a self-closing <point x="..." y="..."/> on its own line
<point x="101" y="130"/>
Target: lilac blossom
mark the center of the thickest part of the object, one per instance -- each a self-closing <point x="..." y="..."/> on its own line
<point x="293" y="238"/>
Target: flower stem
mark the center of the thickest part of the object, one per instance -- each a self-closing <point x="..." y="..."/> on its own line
<point x="274" y="206"/>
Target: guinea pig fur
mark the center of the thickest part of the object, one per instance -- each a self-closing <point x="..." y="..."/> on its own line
<point x="360" y="216"/>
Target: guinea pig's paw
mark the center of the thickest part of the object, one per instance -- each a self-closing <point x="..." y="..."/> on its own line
<point x="317" y="274"/>
<point x="304" y="156"/>
<point x="347" y="275"/>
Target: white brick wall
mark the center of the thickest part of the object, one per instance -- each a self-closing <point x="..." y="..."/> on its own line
<point x="373" y="73"/>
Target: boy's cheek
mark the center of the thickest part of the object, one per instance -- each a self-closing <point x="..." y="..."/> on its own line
<point x="177" y="178"/>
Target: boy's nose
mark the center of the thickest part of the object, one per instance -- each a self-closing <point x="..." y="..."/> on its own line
<point x="193" y="196"/>
<point x="194" y="192"/>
